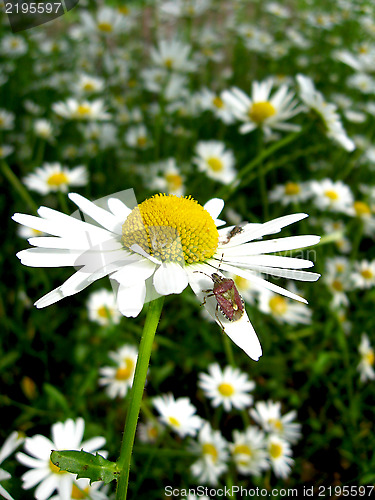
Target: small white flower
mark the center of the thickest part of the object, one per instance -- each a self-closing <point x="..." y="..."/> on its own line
<point x="366" y="365"/>
<point x="5" y="150"/>
<point x="118" y="379"/>
<point x="102" y="308"/>
<point x="268" y="415"/>
<point x="249" y="451"/>
<point x="280" y="455"/>
<point x="138" y="137"/>
<point x="283" y="309"/>
<point x="229" y="387"/>
<point x="178" y="414"/>
<point x="9" y="446"/>
<point x="364" y="274"/>
<point x="149" y="432"/>
<point x="43" y="128"/>
<point x="218" y="163"/>
<point x="81" y="110"/>
<point x="332" y="196"/>
<point x="338" y="279"/>
<point x="168" y="178"/>
<point x="52" y="177"/>
<point x="208" y="100"/>
<point x="173" y="55"/>
<point x="291" y="192"/>
<point x="87" y="84"/>
<point x="13" y="46"/>
<point x="6" y="120"/>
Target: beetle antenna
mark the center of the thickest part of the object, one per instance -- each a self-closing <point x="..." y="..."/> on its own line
<point x="203" y="273"/>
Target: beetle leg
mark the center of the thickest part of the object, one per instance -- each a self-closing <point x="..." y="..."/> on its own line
<point x="204" y="299"/>
<point x="218" y="319"/>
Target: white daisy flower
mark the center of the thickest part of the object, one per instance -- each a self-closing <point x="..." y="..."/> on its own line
<point x="366" y="365"/>
<point x="5" y="150"/>
<point x="364" y="274"/>
<point x="283" y="309"/>
<point x="291" y="192"/>
<point x="166" y="242"/>
<point x="138" y="137"/>
<point x="181" y="8"/>
<point x="326" y="111"/>
<point x="338" y="279"/>
<point x="268" y="415"/>
<point x="261" y="110"/>
<point x="168" y="179"/>
<point x="43" y="128"/>
<point x="81" y="488"/>
<point x="332" y="196"/>
<point x="53" y="177"/>
<point x="364" y="212"/>
<point x="102" y="308"/>
<point x="362" y="82"/>
<point x="107" y="21"/>
<point x="119" y="379"/>
<point x="13" y="46"/>
<point x="9" y="446"/>
<point x="87" y="84"/>
<point x="229" y="387"/>
<point x="149" y="432"/>
<point x="213" y="451"/>
<point x="249" y="451"/>
<point x="208" y="100"/>
<point x="173" y="55"/>
<point x="81" y="110"/>
<point x="280" y="455"/>
<point x="65" y="436"/>
<point x="6" y="120"/>
<point x="217" y="162"/>
<point x="178" y="414"/>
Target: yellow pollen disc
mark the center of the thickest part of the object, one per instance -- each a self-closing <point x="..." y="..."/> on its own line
<point x="2" y="121"/>
<point x="14" y="44"/>
<point x="57" y="180"/>
<point x="123" y="10"/>
<point x="370" y="357"/>
<point x="361" y="208"/>
<point x="215" y="164"/>
<point x="78" y="494"/>
<point x="172" y="229"/>
<point x="292" y="188"/>
<point x="241" y="283"/>
<point x="141" y="141"/>
<point x="104" y="312"/>
<point x="209" y="449"/>
<point x="217" y="102"/>
<point x="275" y="450"/>
<point x="226" y="389"/>
<point x="332" y="195"/>
<point x="340" y="268"/>
<point x="174" y="181"/>
<point x="83" y="110"/>
<point x="260" y="111"/>
<point x="125" y="372"/>
<point x="367" y="274"/>
<point x="55" y="469"/>
<point x="105" y="27"/>
<point x="242" y="449"/>
<point x="278" y="305"/>
<point x="337" y="286"/>
<point x="153" y="432"/>
<point x="276" y="423"/>
<point x="168" y="63"/>
<point x="89" y="87"/>
<point x="174" y="421"/>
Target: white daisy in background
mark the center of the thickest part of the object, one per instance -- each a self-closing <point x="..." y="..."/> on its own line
<point x="138" y="137"/>
<point x="343" y="243"/>
<point x="326" y="112"/>
<point x="366" y="365"/>
<point x="210" y="101"/>
<point x="363" y="275"/>
<point x="229" y="387"/>
<point x="249" y="451"/>
<point x="65" y="436"/>
<point x="366" y="214"/>
<point x="181" y="8"/>
<point x="102" y="308"/>
<point x="338" y="279"/>
<point x="268" y="415"/>
<point x="173" y="55"/>
<point x="290" y="192"/>
<point x="168" y="178"/>
<point x="247" y="289"/>
<point x="282" y="309"/>
<point x="261" y="110"/>
<point x="53" y="177"/>
<point x="81" y="489"/>
<point x="107" y="21"/>
<point x="212" y="449"/>
<point x="149" y="431"/>
<point x="118" y="379"/>
<point x="280" y="455"/>
<point x="278" y="10"/>
<point x="215" y="161"/>
<point x="88" y="84"/>
<point x="9" y="446"/>
<point x="13" y="46"/>
<point x="5" y="150"/>
<point x="178" y="414"/>
<point x="43" y="129"/>
<point x="332" y="196"/>
<point x="362" y="82"/>
<point x="161" y="246"/>
<point x="6" y="120"/>
<point x="72" y="109"/>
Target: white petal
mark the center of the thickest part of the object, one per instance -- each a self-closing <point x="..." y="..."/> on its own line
<point x="104" y="218"/>
<point x="275" y="245"/>
<point x="118" y="208"/>
<point x="268" y="260"/>
<point x="170" y="278"/>
<point x="5" y="494"/>
<point x="47" y="487"/>
<point x="130" y="299"/>
<point x="134" y="272"/>
<point x="214" y="207"/>
<point x="40" y="257"/>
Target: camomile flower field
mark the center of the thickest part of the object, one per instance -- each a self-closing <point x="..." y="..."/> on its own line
<point x="187" y="265"/>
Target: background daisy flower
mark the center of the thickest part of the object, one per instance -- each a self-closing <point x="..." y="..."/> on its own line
<point x="53" y="177"/>
<point x="178" y="414"/>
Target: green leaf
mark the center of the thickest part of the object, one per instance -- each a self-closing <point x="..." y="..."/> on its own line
<point x="93" y="467"/>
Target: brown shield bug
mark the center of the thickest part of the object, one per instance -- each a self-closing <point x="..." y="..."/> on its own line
<point x="227" y="296"/>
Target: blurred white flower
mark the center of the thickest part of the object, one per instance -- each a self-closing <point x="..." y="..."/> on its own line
<point x="118" y="379"/>
<point x="366" y="365"/>
<point x="249" y="451"/>
<point x="178" y="414"/>
<point x="53" y="177"/>
<point x="215" y="161"/>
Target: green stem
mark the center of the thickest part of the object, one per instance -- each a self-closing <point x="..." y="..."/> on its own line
<point x="63" y="203"/>
<point x="18" y="186"/>
<point x="145" y="348"/>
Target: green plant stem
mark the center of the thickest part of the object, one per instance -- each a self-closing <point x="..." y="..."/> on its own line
<point x="18" y="186"/>
<point x="152" y="320"/>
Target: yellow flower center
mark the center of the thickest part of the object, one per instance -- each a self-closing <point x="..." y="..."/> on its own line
<point x="276" y="423"/>
<point x="14" y="44"/>
<point x="370" y="357"/>
<point x="337" y="286"/>
<point x="226" y="389"/>
<point x="215" y="164"/>
<point x="367" y="274"/>
<point x="83" y="110"/>
<point x="292" y="188"/>
<point x="209" y="449"/>
<point x="124" y="10"/>
<point x="78" y="494"/>
<point x="125" y="372"/>
<point x="168" y="63"/>
<point x="340" y="268"/>
<point x="55" y="469"/>
<point x="2" y="121"/>
<point x="260" y="111"/>
<point x="153" y="432"/>
<point x="361" y="208"/>
<point x="275" y="450"/>
<point x="278" y="305"/>
<point x="172" y="229"/>
<point x="242" y="449"/>
<point x="141" y="141"/>
<point x="89" y="87"/>
<point x="104" y="312"/>
<point x="105" y="27"/>
<point x="58" y="179"/>
<point x="174" y="181"/>
<point x="217" y="102"/>
<point x="173" y="421"/>
<point x="331" y="194"/>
